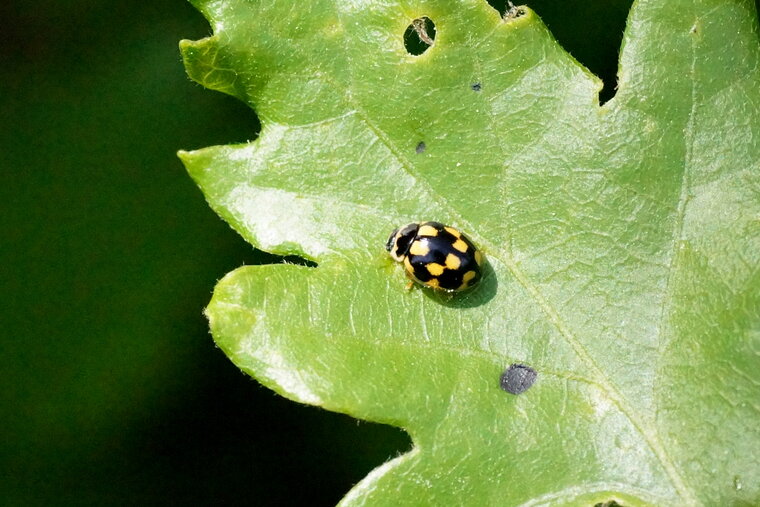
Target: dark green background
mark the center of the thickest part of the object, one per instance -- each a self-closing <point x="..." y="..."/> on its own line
<point x="112" y="389"/>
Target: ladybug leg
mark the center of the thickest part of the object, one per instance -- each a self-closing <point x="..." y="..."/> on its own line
<point x="410" y="281"/>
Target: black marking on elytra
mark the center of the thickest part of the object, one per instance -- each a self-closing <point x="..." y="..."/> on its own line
<point x="440" y="247"/>
<point x="517" y="378"/>
<point x="436" y="225"/>
<point x="420" y="271"/>
<point x="450" y="279"/>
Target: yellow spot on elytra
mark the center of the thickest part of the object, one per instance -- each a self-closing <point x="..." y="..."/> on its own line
<point x="478" y="257"/>
<point x="434" y="268"/>
<point x="408" y="264"/>
<point x="427" y="230"/>
<point x="466" y="280"/>
<point x="453" y="261"/>
<point x="460" y="245"/>
<point x="433" y="282"/>
<point x="420" y="248"/>
<point x="453" y="232"/>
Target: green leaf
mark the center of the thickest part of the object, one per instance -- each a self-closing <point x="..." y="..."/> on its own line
<point x="623" y="241"/>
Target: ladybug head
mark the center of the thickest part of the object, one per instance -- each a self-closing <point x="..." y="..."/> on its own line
<point x="400" y="240"/>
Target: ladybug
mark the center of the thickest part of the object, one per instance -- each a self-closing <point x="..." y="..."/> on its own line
<point x="436" y="255"/>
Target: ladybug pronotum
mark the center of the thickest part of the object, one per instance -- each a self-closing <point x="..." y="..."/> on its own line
<point x="436" y="255"/>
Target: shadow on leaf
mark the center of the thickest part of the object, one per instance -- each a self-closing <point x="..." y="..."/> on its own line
<point x="479" y="295"/>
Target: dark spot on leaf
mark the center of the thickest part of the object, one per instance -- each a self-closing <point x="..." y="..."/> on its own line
<point x="420" y="147"/>
<point x="518" y="378"/>
<point x="419" y="36"/>
<point x="610" y="503"/>
<point x="476" y="87"/>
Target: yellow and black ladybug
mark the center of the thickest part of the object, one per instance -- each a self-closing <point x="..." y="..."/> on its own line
<point x="436" y="255"/>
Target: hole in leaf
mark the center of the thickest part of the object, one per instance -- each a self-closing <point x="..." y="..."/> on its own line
<point x="419" y="36"/>
<point x="518" y="378"/>
<point x="420" y="147"/>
